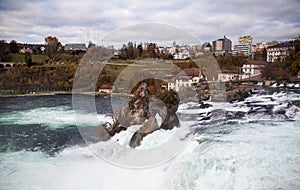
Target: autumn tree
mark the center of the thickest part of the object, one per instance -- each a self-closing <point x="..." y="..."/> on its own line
<point x="151" y="49"/>
<point x="261" y="55"/>
<point x="140" y="49"/>
<point x="295" y="67"/>
<point x="282" y="75"/>
<point x="52" y="45"/>
<point x="130" y="50"/>
<point x="123" y="53"/>
<point x="269" y="71"/>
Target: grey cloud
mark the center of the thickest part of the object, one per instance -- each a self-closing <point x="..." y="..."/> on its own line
<point x="31" y="21"/>
<point x="162" y="34"/>
<point x="13" y="5"/>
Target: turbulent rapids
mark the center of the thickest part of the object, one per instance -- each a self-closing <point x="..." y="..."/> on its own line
<point x="251" y="144"/>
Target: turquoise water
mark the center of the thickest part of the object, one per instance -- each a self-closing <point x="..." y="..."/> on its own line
<point x="253" y="145"/>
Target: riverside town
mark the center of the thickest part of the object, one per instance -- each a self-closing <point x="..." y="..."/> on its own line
<point x="50" y="67"/>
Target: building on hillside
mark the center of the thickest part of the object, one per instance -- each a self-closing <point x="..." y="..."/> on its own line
<point x="25" y="50"/>
<point x="225" y="77"/>
<point x="245" y="40"/>
<point x="244" y="49"/>
<point x="250" y="71"/>
<point x="253" y="67"/>
<point x="183" y="81"/>
<point x="42" y="48"/>
<point x="207" y="46"/>
<point x="279" y="51"/>
<point x="179" y="52"/>
<point x="244" y="46"/>
<point x="162" y="50"/>
<point x="75" y="47"/>
<point x="294" y="39"/>
<point x="105" y="90"/>
<point x="261" y="46"/>
<point x="222" y="46"/>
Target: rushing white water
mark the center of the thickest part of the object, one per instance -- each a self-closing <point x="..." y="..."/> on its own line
<point x="53" y="117"/>
<point x="260" y="151"/>
<point x="256" y="156"/>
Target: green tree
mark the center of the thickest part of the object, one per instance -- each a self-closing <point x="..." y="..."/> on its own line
<point x="4" y="51"/>
<point x="264" y="54"/>
<point x="13" y="47"/>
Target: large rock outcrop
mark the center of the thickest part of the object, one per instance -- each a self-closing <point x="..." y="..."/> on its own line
<point x="142" y="109"/>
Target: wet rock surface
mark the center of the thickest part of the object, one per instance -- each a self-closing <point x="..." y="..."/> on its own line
<point x="142" y="109"/>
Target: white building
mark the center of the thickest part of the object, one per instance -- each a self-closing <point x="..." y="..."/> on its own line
<point x="162" y="50"/>
<point x="179" y="52"/>
<point x="25" y="50"/>
<point x="279" y="52"/>
<point x="224" y="77"/>
<point x="244" y="46"/>
<point x="185" y="81"/>
<point x="181" y="55"/>
<point x="252" y="68"/>
<point x="245" y="49"/>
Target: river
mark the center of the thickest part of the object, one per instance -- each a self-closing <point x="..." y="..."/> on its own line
<point x="252" y="144"/>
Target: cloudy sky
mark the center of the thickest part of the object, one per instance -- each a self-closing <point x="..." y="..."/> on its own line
<point x="31" y="21"/>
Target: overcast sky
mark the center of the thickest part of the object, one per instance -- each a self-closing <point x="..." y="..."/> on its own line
<point x="31" y="21"/>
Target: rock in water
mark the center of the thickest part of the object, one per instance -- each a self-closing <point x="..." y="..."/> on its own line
<point x="148" y="127"/>
<point x="237" y="95"/>
<point x="170" y="122"/>
<point x="142" y="109"/>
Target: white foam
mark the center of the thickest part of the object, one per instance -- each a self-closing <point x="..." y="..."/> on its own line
<point x="123" y="138"/>
<point x="54" y="117"/>
<point x="236" y="108"/>
<point x="274" y="85"/>
<point x="157" y="138"/>
<point x="260" y="155"/>
<point x="73" y="169"/>
<point x="257" y="156"/>
<point x="293" y="112"/>
<point x="259" y="84"/>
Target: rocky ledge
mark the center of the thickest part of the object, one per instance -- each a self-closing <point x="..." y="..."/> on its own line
<point x="143" y="109"/>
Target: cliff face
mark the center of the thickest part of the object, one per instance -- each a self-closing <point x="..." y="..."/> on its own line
<point x="143" y="109"/>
